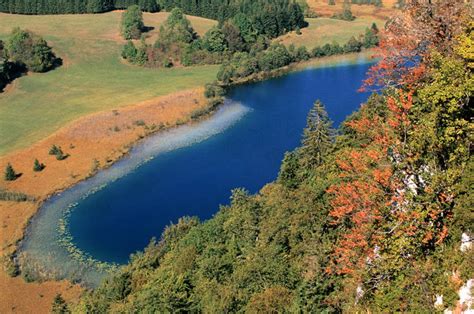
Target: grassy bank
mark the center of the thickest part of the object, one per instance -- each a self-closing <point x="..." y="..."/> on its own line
<point x="325" y="30"/>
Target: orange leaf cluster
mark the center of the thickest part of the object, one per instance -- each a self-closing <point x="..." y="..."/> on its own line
<point x="360" y="198"/>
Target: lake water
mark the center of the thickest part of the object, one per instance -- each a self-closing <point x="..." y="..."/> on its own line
<point x="260" y="123"/>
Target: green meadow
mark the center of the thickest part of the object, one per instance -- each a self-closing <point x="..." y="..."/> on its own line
<point x="92" y="78"/>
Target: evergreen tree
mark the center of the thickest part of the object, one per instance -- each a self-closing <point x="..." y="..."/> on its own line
<point x="214" y="40"/>
<point x="10" y="174"/>
<point x="59" y="305"/>
<point x="129" y="51"/>
<point x="288" y="175"/>
<point x="370" y="38"/>
<point x="317" y="137"/>
<point x="54" y="150"/>
<point x="132" y="23"/>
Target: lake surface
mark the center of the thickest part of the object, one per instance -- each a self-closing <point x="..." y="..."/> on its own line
<point x="260" y="123"/>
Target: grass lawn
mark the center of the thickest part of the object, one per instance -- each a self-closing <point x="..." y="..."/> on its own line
<point x="326" y="30"/>
<point x="92" y="78"/>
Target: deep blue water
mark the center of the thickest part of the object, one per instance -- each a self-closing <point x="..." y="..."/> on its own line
<point x="122" y="218"/>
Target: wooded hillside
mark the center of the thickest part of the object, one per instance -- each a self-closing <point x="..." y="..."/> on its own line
<point x="374" y="218"/>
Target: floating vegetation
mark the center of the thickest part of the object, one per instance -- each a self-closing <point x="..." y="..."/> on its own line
<point x="65" y="240"/>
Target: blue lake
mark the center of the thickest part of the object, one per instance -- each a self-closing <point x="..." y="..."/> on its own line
<point x="186" y="171"/>
<point x="121" y="218"/>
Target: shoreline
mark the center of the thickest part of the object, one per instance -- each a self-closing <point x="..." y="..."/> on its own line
<point x="41" y="248"/>
<point x="116" y="152"/>
<point x="88" y="139"/>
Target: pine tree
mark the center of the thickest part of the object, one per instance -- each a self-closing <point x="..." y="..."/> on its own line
<point x="59" y="305"/>
<point x="317" y="137"/>
<point x="37" y="167"/>
<point x="132" y="23"/>
<point x="10" y="174"/>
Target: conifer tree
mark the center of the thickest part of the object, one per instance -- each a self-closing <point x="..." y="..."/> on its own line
<point x="10" y="174"/>
<point x="59" y="305"/>
<point x="317" y="136"/>
<point x="132" y="23"/>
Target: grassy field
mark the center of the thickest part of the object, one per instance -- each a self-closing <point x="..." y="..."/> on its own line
<point x="326" y="30"/>
<point x="92" y="78"/>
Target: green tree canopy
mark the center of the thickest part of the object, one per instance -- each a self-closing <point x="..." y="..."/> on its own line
<point x="30" y="51"/>
<point x="132" y="23"/>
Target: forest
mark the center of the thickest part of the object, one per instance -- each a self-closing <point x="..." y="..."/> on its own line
<point x="72" y="6"/>
<point x="370" y="217"/>
<point x="273" y="18"/>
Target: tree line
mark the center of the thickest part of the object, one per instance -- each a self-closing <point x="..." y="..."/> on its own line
<point x="236" y="39"/>
<point x="271" y="18"/>
<point x="72" y="6"/>
<point x="243" y="64"/>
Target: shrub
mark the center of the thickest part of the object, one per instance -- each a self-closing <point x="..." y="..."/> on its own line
<point x="214" y="90"/>
<point x="14" y="196"/>
<point x="37" y="166"/>
<point x="54" y="150"/>
<point x="346" y="14"/>
<point x="58" y="152"/>
<point x="11" y="268"/>
<point x="129" y="51"/>
<point x="30" y="51"/>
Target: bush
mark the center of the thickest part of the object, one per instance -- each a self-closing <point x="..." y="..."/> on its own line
<point x="214" y="90"/>
<point x="14" y="196"/>
<point x="37" y="166"/>
<point x="129" y="51"/>
<point x="54" y="150"/>
<point x="11" y="268"/>
<point x="30" y="51"/>
<point x="58" y="152"/>
<point x="346" y="14"/>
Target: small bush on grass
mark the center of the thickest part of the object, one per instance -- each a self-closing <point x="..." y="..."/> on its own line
<point x="37" y="166"/>
<point x="58" y="152"/>
<point x="11" y="268"/>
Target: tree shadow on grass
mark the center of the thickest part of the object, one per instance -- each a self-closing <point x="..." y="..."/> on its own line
<point x="147" y="29"/>
<point x="15" y="71"/>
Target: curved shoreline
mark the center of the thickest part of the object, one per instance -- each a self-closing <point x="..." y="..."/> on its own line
<point x="41" y="249"/>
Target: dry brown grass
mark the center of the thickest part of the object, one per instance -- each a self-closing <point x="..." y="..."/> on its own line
<point x="322" y="8"/>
